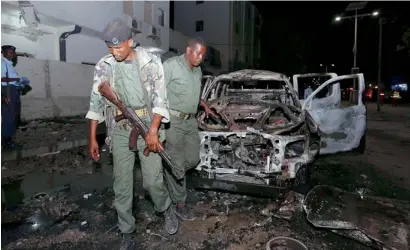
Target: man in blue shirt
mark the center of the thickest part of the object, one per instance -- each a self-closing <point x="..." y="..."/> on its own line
<point x="11" y="85"/>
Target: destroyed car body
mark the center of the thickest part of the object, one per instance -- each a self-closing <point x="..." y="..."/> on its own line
<point x="266" y="135"/>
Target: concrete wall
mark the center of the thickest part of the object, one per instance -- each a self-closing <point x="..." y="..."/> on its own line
<point x="220" y="21"/>
<point x="57" y="17"/>
<point x="59" y="88"/>
<point x="215" y="15"/>
<point x="177" y="41"/>
<point x="27" y="39"/>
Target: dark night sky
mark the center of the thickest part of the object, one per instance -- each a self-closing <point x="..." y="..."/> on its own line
<point x="295" y="30"/>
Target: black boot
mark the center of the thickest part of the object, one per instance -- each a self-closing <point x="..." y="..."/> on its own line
<point x="171" y="221"/>
<point x="184" y="212"/>
<point x="128" y="242"/>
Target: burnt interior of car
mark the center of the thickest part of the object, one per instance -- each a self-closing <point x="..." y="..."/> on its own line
<point x="265" y="105"/>
<point x="249" y="136"/>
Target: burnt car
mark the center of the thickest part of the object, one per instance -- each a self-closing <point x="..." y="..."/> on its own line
<point x="265" y="134"/>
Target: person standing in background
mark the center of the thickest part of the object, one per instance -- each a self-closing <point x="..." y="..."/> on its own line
<point x="11" y="85"/>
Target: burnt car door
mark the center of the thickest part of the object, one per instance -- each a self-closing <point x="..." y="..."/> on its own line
<point x="327" y="97"/>
<point x="341" y="128"/>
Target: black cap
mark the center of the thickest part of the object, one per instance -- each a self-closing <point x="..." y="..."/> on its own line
<point x="116" y="32"/>
<point x="6" y="47"/>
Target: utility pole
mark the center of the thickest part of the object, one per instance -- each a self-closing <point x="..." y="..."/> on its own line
<point x="356" y="6"/>
<point x="379" y="73"/>
<point x="355" y="41"/>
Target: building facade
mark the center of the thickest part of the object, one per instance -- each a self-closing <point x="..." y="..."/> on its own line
<point x="231" y="30"/>
<point x="69" y="30"/>
<point x="62" y="39"/>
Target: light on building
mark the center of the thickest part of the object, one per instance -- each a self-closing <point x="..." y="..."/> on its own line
<point x="375" y="13"/>
<point x="338" y="18"/>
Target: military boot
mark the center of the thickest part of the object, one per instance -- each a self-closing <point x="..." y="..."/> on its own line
<point x="128" y="242"/>
<point x="184" y="212"/>
<point x="171" y="221"/>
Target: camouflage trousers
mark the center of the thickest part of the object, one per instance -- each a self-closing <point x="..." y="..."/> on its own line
<point x="152" y="175"/>
<point x="182" y="145"/>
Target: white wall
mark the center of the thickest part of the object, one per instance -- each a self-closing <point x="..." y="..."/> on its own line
<point x="41" y="42"/>
<point x="215" y="15"/>
<point x="61" y="16"/>
<point x="92" y="14"/>
<point x="219" y="26"/>
<point x="177" y="40"/>
<point x="59" y="88"/>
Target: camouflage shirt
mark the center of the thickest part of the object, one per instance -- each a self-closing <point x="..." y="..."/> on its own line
<point x="151" y="75"/>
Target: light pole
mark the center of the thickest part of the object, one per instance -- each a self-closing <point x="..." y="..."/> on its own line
<point x="355" y="6"/>
<point x="379" y="73"/>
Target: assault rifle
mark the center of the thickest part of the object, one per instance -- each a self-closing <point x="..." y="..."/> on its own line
<point x="139" y="127"/>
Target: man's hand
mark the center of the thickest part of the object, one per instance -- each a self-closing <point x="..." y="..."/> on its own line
<point x="208" y="111"/>
<point x="94" y="150"/>
<point x="152" y="140"/>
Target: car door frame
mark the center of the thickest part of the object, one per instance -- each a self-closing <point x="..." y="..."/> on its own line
<point x="360" y="122"/>
<point x="335" y="96"/>
<point x="206" y="84"/>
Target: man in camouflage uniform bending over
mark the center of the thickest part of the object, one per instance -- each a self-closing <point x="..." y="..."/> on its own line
<point x="138" y="79"/>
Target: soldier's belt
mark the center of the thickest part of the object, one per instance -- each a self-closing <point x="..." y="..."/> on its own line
<point x="140" y="112"/>
<point x="183" y="116"/>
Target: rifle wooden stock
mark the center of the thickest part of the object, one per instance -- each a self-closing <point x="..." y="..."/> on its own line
<point x="106" y="91"/>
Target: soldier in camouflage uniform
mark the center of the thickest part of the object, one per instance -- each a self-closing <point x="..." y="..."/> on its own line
<point x="138" y="79"/>
<point x="183" y="78"/>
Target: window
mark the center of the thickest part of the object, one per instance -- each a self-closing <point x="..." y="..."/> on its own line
<point x="161" y="17"/>
<point x="199" y="26"/>
<point x="128" y="7"/>
<point x="199" y="2"/>
<point x="148" y="12"/>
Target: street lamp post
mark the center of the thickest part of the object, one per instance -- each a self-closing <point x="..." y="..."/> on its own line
<point x="355" y="7"/>
<point x="355" y="41"/>
<point x="326" y="66"/>
<point x="379" y="73"/>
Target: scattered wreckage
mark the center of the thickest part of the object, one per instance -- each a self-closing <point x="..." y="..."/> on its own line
<point x="266" y="135"/>
<point x="378" y="222"/>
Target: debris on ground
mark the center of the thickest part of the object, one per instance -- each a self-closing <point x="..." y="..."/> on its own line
<point x="291" y="205"/>
<point x="373" y="221"/>
<point x="32" y="134"/>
